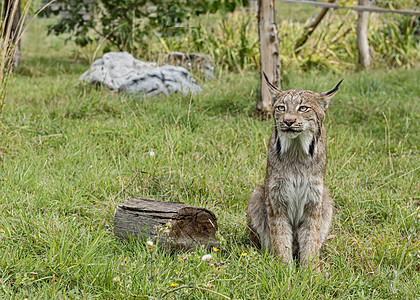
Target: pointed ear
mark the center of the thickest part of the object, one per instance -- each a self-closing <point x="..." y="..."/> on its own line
<point x="325" y="97"/>
<point x="273" y="90"/>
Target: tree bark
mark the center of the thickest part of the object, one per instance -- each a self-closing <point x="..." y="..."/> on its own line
<point x="362" y="40"/>
<point x="11" y="13"/>
<point x="171" y="225"/>
<point x="269" y="52"/>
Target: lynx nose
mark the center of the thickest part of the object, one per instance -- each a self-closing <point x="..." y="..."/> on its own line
<point x="289" y="122"/>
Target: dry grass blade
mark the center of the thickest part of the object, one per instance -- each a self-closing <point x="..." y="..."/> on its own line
<point x="11" y="33"/>
<point x="197" y="288"/>
<point x="10" y="37"/>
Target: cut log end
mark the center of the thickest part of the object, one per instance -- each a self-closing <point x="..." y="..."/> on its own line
<point x="174" y="226"/>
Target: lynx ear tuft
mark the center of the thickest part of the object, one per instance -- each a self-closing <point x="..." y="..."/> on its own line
<point x="325" y="97"/>
<point x="333" y="91"/>
<point x="273" y="90"/>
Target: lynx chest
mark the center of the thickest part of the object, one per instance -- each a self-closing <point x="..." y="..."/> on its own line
<point x="293" y="193"/>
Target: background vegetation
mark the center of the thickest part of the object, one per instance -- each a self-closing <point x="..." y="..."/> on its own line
<point x="231" y="37"/>
<point x="67" y="149"/>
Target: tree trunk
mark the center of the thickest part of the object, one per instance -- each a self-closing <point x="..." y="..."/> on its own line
<point x="11" y="13"/>
<point x="269" y="52"/>
<point x="171" y="225"/>
<point x="362" y="41"/>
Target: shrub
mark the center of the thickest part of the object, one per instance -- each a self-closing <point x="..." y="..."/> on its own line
<point x="232" y="40"/>
<point x="127" y="25"/>
<point x="396" y="42"/>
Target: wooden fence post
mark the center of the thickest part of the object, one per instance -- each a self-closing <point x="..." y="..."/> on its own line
<point x="269" y="52"/>
<point x="362" y="41"/>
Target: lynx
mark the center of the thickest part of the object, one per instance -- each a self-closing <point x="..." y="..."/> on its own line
<point x="291" y="213"/>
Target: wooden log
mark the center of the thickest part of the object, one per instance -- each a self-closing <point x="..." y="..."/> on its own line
<point x="171" y="225"/>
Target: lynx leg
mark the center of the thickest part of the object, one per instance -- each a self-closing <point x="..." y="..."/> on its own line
<point x="327" y="210"/>
<point x="281" y="233"/>
<point x="257" y="219"/>
<point x="309" y="234"/>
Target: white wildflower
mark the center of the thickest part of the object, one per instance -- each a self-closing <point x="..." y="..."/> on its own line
<point x="207" y="258"/>
<point x="151" y="154"/>
<point x="149" y="245"/>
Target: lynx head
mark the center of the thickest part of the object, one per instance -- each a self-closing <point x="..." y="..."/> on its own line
<point x="298" y="116"/>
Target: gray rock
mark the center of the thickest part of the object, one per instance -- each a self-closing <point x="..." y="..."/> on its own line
<point x="192" y="61"/>
<point x="122" y="72"/>
<point x="166" y="80"/>
<point x="115" y="68"/>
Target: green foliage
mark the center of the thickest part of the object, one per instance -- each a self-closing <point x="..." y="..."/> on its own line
<point x="397" y="4"/>
<point x="231" y="40"/>
<point x="396" y="42"/>
<point x="127" y="25"/>
<point x="152" y="29"/>
<point x="393" y="39"/>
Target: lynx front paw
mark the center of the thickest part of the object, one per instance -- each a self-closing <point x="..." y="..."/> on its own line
<point x="284" y="253"/>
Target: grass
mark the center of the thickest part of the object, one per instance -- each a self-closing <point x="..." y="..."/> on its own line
<point x="70" y="148"/>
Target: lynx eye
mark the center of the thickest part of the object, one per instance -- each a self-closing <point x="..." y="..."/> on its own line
<point x="281" y="108"/>
<point x="303" y="108"/>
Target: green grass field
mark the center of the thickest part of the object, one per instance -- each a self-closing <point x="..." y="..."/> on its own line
<point x="67" y="149"/>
